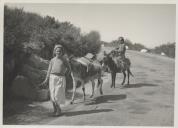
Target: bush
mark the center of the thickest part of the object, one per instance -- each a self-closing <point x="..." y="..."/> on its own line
<point x="168" y="49"/>
<point x="14" y="36"/>
<point x="138" y="47"/>
<point x="24" y="30"/>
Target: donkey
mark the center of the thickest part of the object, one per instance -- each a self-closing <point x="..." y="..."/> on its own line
<point x="80" y="73"/>
<point x="116" y="65"/>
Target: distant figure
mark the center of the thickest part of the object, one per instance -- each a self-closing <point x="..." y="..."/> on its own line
<point x="121" y="49"/>
<point x="58" y="67"/>
<point x="118" y="54"/>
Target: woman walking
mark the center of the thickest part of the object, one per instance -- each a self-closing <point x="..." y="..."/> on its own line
<point x="58" y="67"/>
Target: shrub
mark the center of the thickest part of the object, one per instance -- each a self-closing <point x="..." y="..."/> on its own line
<point x="168" y="49"/>
<point x="23" y="30"/>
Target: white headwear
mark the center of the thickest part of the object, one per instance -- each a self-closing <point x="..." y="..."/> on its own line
<point x="58" y="46"/>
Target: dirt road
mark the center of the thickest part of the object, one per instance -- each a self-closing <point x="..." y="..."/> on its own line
<point x="148" y="101"/>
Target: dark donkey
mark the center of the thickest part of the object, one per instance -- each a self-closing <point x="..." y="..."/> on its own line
<point x="115" y="66"/>
<point x="79" y="73"/>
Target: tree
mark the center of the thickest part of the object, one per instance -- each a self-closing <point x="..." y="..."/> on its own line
<point x="168" y="49"/>
<point x="129" y="43"/>
<point x="138" y="47"/>
<point x="90" y="42"/>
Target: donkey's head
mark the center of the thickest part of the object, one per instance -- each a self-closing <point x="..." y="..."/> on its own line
<point x="107" y="61"/>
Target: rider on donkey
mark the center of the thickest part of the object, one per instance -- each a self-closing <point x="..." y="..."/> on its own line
<point x="121" y="49"/>
<point x="119" y="53"/>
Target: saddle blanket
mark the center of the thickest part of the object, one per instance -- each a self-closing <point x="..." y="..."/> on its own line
<point x="84" y="61"/>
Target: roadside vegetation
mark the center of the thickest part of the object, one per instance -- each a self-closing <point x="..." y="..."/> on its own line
<point x="29" y="34"/>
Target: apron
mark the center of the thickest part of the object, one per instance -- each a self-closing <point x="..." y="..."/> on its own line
<point x="57" y="85"/>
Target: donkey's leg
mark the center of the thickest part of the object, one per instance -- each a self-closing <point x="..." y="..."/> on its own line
<point x="124" y="77"/>
<point x="74" y="90"/>
<point x="93" y="88"/>
<point x="128" y="75"/>
<point x="83" y="89"/>
<point x="113" y="78"/>
<point x="100" y="84"/>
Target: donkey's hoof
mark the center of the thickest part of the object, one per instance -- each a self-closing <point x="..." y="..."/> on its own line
<point x="71" y="102"/>
<point x="101" y="93"/>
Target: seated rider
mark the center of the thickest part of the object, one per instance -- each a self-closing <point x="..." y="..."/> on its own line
<point x="87" y="60"/>
<point x="121" y="49"/>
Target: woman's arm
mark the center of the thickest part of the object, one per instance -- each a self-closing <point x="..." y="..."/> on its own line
<point x="49" y="71"/>
<point x="47" y="75"/>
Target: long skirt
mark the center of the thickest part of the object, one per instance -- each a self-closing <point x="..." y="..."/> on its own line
<point x="57" y="85"/>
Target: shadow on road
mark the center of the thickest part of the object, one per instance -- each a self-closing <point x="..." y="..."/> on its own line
<point x="138" y="85"/>
<point x="27" y="115"/>
<point x="75" y="113"/>
<point x="106" y="99"/>
<point x="77" y="95"/>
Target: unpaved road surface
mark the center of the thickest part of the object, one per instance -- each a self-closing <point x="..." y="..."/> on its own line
<point x="147" y="101"/>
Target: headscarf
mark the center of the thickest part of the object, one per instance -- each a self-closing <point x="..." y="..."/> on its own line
<point x="58" y="46"/>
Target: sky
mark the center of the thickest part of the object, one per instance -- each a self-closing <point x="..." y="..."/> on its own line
<point x="147" y="24"/>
